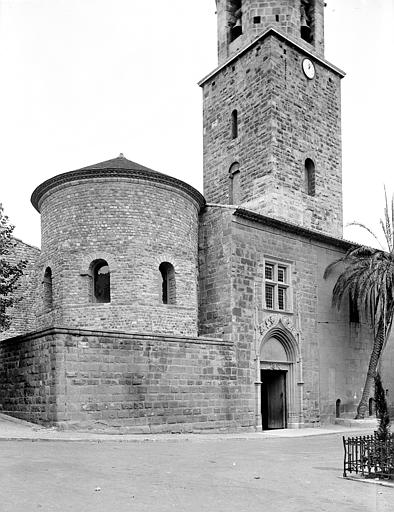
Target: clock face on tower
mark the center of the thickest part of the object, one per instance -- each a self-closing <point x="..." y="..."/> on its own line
<point x="308" y="68"/>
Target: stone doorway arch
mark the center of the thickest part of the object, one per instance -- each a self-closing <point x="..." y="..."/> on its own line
<point x="279" y="362"/>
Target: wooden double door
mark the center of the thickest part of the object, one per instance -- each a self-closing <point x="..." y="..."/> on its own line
<point x="273" y="399"/>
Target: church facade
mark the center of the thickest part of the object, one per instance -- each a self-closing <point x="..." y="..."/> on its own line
<point x="151" y="307"/>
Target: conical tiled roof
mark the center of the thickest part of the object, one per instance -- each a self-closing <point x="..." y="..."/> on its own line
<point x="117" y="168"/>
<point x="120" y="162"/>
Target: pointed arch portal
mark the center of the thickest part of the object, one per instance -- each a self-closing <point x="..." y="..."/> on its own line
<point x="279" y="375"/>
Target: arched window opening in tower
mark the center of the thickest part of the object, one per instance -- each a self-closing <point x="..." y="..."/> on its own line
<point x="235" y="184"/>
<point x="309" y="177"/>
<point x="234" y="124"/>
<point x="168" y="285"/>
<point x="47" y="289"/>
<point x="101" y="281"/>
<point x="338" y="408"/>
<point x="307" y="15"/>
<point x="235" y="18"/>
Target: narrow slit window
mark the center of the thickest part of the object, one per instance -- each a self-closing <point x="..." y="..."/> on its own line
<point x="338" y="408"/>
<point x="235" y="184"/>
<point x="310" y="177"/>
<point x="234" y="124"/>
<point x="168" y="284"/>
<point x="47" y="289"/>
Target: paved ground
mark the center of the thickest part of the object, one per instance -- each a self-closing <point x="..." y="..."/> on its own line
<point x="264" y="472"/>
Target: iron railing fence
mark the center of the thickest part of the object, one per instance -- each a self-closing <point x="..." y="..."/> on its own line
<point x="369" y="456"/>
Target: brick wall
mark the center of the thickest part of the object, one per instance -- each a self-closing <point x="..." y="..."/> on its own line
<point x="23" y="314"/>
<point x="131" y="383"/>
<point x="134" y="224"/>
<point x="284" y="118"/>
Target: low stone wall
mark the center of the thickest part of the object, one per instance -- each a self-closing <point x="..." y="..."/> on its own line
<point x="121" y="381"/>
<point x="28" y="378"/>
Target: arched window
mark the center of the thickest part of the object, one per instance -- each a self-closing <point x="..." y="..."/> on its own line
<point x="234" y="124"/>
<point x="235" y="19"/>
<point x="309" y="177"/>
<point x="101" y="289"/>
<point x="307" y="16"/>
<point x="47" y="289"/>
<point x="338" y="408"/>
<point x="235" y="185"/>
<point x="168" y="285"/>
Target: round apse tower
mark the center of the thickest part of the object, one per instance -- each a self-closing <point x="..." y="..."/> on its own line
<point x="119" y="250"/>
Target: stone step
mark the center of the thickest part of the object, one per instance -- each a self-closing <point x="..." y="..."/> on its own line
<point x="347" y="415"/>
<point x="369" y="422"/>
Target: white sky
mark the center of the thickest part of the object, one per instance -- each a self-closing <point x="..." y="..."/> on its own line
<point x="83" y="80"/>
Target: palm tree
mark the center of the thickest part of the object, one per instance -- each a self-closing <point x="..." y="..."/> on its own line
<point x="367" y="277"/>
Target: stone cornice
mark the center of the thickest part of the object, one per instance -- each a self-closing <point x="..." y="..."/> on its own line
<point x="126" y="174"/>
<point x="293" y="228"/>
<point x="169" y="338"/>
<point x="284" y="37"/>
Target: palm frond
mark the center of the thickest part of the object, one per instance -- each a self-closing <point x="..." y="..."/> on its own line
<point x="392" y="219"/>
<point x="369" y="230"/>
<point x="386" y="224"/>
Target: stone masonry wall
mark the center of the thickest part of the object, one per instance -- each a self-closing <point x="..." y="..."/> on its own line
<point x="283" y="119"/>
<point x="120" y="381"/>
<point x="134" y="225"/>
<point x="217" y="307"/>
<point x="280" y="14"/>
<point x="31" y="387"/>
<point x="335" y="352"/>
<point x="214" y="273"/>
<point x="23" y="314"/>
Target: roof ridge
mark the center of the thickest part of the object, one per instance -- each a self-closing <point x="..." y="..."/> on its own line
<point x="120" y="162"/>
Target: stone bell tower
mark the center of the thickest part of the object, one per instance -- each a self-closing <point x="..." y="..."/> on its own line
<point x="241" y="21"/>
<point x="272" y="118"/>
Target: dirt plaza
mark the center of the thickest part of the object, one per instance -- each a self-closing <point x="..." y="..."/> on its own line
<point x="222" y="473"/>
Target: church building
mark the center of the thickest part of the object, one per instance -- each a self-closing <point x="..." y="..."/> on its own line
<point x="153" y="308"/>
